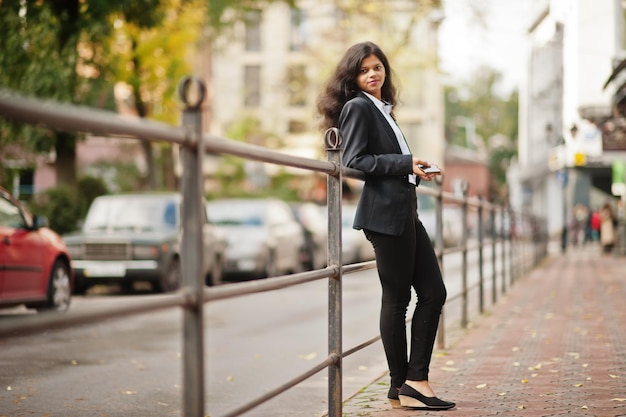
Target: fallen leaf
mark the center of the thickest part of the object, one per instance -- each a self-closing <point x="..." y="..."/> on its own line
<point x="534" y="375"/>
<point x="481" y="386"/>
<point x="501" y="394"/>
<point x="516" y="364"/>
<point x="450" y="363"/>
<point x="515" y="349"/>
<point x="575" y="355"/>
<point x="520" y="407"/>
<point x="532" y="368"/>
<point x="74" y="362"/>
<point x="308" y="357"/>
<point x="578" y="385"/>
<point x="584" y="407"/>
<point x="449" y="369"/>
<point x="613" y="376"/>
<point x="128" y="392"/>
<point x="229" y="378"/>
<point x="163" y="404"/>
<point x="9" y="388"/>
<point x="524" y="381"/>
<point x="585" y="365"/>
<point x="469" y="351"/>
<point x="618" y="399"/>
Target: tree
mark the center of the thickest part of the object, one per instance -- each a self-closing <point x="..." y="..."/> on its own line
<point x="494" y="120"/>
<point x="53" y="49"/>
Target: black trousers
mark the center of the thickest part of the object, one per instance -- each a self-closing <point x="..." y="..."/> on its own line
<point x="404" y="262"/>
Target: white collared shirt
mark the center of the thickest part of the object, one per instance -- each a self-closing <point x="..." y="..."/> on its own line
<point x="385" y="109"/>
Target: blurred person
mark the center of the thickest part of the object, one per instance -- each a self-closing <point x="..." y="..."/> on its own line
<point x="595" y="222"/>
<point x="607" y="227"/>
<point x="359" y="99"/>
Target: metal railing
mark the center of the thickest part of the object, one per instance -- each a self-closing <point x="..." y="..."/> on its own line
<point x="193" y="294"/>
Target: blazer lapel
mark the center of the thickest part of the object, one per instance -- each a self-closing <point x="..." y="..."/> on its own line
<point x="382" y="121"/>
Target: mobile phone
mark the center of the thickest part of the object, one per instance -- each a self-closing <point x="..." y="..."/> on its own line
<point x="433" y="169"/>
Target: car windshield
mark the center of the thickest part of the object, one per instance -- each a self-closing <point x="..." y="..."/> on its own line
<point x="132" y="213"/>
<point x="237" y="213"/>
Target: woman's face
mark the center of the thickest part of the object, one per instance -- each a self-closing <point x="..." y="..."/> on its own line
<point x="371" y="76"/>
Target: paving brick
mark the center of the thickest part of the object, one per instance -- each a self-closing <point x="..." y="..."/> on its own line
<point x="554" y="345"/>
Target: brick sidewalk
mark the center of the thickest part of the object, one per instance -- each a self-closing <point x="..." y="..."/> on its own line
<point x="555" y="345"/>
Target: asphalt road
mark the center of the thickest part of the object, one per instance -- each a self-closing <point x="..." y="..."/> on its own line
<point x="132" y="367"/>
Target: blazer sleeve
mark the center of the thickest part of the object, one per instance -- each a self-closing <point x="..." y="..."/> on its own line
<point x="367" y="145"/>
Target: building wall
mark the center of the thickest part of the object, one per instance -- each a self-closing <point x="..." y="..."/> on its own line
<point x="571" y="47"/>
<point x="324" y="35"/>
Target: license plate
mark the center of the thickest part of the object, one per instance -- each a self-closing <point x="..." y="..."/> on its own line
<point x="105" y="270"/>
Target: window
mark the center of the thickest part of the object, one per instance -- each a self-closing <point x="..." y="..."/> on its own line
<point x="296" y="85"/>
<point x="298" y="30"/>
<point x="252" y="86"/>
<point x="252" y="21"/>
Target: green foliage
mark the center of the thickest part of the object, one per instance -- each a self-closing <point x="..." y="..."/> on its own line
<point x="64" y="207"/>
<point x="494" y="120"/>
<point x="88" y="189"/>
<point x="61" y="206"/>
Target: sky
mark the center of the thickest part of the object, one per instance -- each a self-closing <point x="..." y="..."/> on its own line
<point x="465" y="45"/>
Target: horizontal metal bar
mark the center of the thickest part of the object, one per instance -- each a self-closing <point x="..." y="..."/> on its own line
<point x="20" y="326"/>
<point x="358" y="267"/>
<point x="217" y="145"/>
<point x="331" y="359"/>
<point x="361" y="346"/>
<point x="223" y="292"/>
<point x="63" y="116"/>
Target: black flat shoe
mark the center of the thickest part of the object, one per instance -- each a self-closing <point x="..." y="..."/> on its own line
<point x="410" y="397"/>
<point x="392" y="396"/>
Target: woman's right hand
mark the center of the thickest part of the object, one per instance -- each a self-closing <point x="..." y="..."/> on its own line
<point x="420" y="173"/>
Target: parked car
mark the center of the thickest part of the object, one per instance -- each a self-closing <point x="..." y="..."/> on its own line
<point x="264" y="238"/>
<point x="137" y="237"/>
<point x="34" y="261"/>
<point x="314" y="224"/>
<point x="355" y="246"/>
<point x="452" y="220"/>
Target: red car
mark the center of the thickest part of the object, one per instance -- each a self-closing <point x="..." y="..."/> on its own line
<point x="34" y="262"/>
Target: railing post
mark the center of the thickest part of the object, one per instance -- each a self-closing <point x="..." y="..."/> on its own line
<point x="494" y="239"/>
<point x="503" y="248"/>
<point x="192" y="92"/>
<point x="481" y="270"/>
<point x="439" y="246"/>
<point x="333" y="141"/>
<point x="464" y="235"/>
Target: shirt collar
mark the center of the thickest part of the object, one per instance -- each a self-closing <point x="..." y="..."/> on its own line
<point x="382" y="105"/>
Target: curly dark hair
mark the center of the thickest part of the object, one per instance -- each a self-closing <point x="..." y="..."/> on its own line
<point x="341" y="87"/>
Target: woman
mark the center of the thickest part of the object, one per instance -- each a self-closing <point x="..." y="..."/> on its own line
<point x="607" y="228"/>
<point x="358" y="99"/>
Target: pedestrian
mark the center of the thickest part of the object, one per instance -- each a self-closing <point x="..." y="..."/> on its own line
<point x="595" y="224"/>
<point x="607" y="227"/>
<point x="358" y="99"/>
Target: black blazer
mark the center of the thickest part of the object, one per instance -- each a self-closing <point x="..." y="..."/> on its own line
<point x="370" y="145"/>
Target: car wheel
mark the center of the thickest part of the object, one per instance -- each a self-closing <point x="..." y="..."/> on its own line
<point x="59" y="288"/>
<point x="171" y="280"/>
<point x="217" y="271"/>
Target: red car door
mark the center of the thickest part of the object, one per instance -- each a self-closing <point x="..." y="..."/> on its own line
<point x="21" y="256"/>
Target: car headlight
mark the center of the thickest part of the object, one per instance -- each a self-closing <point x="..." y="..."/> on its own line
<point x="145" y="252"/>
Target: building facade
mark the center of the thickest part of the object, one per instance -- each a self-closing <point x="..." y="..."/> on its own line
<point x="564" y="106"/>
<point x="271" y="67"/>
